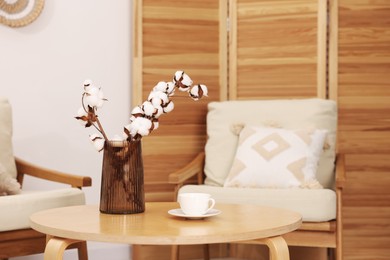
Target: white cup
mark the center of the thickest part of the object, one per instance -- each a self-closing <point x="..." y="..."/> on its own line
<point x="195" y="204"/>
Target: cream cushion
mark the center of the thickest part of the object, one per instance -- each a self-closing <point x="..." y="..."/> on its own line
<point x="6" y="151"/>
<point x="315" y="205"/>
<point x="20" y="207"/>
<point x="268" y="157"/>
<point x="222" y="143"/>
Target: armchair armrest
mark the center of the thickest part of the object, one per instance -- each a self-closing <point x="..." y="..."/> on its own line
<point x="24" y="167"/>
<point x="195" y="167"/>
<point x="340" y="171"/>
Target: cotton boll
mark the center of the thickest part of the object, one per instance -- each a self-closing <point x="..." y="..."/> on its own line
<point x="94" y="97"/>
<point x="91" y="100"/>
<point x="182" y="81"/>
<point x="169" y="107"/>
<point x="158" y="98"/>
<point x="97" y="141"/>
<point x="157" y="102"/>
<point x="161" y="86"/>
<point x="140" y="126"/>
<point x="148" y="109"/>
<point x="198" y="91"/>
<point x="82" y="117"/>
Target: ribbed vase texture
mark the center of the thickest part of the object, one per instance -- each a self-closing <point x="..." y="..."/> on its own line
<point x="122" y="187"/>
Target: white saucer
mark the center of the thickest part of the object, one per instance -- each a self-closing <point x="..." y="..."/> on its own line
<point x="180" y="213"/>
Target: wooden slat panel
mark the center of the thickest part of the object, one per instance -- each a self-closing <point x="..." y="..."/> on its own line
<point x="364" y="76"/>
<point x="171" y="36"/>
<point x="276" y="48"/>
<point x="366" y="208"/>
<point x="363" y="53"/>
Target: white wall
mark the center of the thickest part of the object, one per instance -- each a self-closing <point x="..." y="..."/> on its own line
<point x="42" y="68"/>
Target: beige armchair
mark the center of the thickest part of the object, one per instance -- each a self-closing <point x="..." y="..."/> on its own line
<point x="228" y="176"/>
<point x="16" y="236"/>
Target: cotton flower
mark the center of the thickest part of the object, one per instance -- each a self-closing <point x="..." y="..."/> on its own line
<point x="98" y="142"/>
<point x="158" y="98"/>
<point x="86" y="118"/>
<point x="141" y="126"/>
<point x="182" y="81"/>
<point x="198" y="91"/>
<point x="148" y="108"/>
<point x="82" y="117"/>
<point x="94" y="97"/>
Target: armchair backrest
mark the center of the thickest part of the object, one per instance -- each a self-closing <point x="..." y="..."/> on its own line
<point x="6" y="151"/>
<point x="288" y="114"/>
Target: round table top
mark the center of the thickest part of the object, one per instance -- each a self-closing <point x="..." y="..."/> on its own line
<point x="157" y="227"/>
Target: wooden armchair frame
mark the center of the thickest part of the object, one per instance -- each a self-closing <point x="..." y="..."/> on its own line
<point x="28" y="241"/>
<point x="310" y="234"/>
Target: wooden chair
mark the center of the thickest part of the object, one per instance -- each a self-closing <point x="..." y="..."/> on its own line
<point x="16" y="237"/>
<point x="317" y="231"/>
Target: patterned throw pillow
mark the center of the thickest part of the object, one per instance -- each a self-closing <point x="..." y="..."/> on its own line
<point x="269" y="157"/>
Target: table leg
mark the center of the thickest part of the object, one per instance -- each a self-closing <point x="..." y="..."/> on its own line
<point x="56" y="246"/>
<point x="175" y="249"/>
<point x="278" y="249"/>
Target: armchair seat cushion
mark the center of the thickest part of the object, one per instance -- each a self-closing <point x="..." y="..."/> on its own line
<point x="20" y="207"/>
<point x="314" y="205"/>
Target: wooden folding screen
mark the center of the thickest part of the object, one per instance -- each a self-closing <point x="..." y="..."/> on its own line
<point x="360" y="81"/>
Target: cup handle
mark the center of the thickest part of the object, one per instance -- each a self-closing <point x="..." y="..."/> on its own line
<point x="212" y="201"/>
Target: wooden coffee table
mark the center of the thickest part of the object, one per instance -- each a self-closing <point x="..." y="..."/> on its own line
<point x="69" y="225"/>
